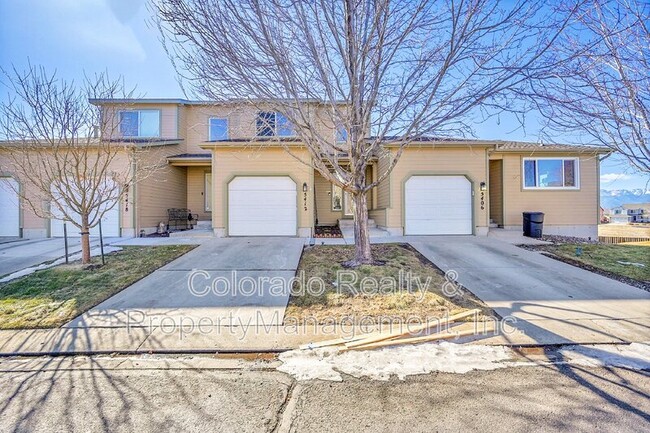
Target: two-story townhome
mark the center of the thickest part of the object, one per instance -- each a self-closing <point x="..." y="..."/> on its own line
<point x="630" y="213"/>
<point x="221" y="164"/>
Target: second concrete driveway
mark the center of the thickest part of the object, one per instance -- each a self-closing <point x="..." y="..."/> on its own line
<point x="552" y="302"/>
<point x="223" y="282"/>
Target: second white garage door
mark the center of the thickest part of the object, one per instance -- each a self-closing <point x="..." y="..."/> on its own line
<point x="438" y="205"/>
<point x="262" y="206"/>
<point x="9" y="207"/>
<point x="110" y="224"/>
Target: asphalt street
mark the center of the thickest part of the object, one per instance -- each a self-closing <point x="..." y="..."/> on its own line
<point x="227" y="395"/>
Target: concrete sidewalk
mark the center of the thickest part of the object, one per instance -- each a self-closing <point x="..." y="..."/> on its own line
<point x="223" y="282"/>
<point x="551" y="301"/>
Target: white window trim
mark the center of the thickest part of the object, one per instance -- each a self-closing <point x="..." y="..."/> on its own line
<point x="227" y="126"/>
<point x="551" y="188"/>
<point x="119" y="115"/>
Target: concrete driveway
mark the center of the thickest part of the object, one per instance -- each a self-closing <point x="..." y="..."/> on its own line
<point x="553" y="302"/>
<point x="223" y="282"/>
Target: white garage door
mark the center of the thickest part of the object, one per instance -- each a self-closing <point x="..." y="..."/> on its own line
<point x="438" y="205"/>
<point x="262" y="206"/>
<point x="110" y="224"/>
<point x="9" y="207"/>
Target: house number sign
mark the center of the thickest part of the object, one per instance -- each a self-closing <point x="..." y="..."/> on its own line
<point x="482" y="200"/>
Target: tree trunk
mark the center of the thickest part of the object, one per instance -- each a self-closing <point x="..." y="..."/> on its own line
<point x="85" y="240"/>
<point x="362" y="252"/>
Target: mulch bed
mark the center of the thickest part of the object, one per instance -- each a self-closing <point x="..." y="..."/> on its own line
<point x="328" y="232"/>
<point x="158" y="235"/>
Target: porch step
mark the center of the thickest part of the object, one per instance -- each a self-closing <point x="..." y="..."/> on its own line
<point x="194" y="233"/>
<point x="349" y="223"/>
<point x="204" y="225"/>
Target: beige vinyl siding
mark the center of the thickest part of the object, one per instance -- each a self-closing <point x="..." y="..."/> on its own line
<point x="166" y="188"/>
<point x="241" y="123"/>
<point x="265" y="161"/>
<point x="379" y="216"/>
<point x="383" y="189"/>
<point x="467" y="161"/>
<point x="323" y="189"/>
<point x="182" y="112"/>
<point x="196" y="191"/>
<point x="495" y="190"/>
<point x="569" y="207"/>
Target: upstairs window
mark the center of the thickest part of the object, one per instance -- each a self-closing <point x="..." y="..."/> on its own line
<point x="341" y="134"/>
<point x="218" y="129"/>
<point x="550" y="173"/>
<point x="273" y="124"/>
<point x="140" y="123"/>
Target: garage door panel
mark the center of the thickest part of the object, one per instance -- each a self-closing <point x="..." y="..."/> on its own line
<point x="10" y="206"/>
<point x="274" y="183"/>
<point x="262" y="206"/>
<point x="438" y="205"/>
<point x="261" y="198"/>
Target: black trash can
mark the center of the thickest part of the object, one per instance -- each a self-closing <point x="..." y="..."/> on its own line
<point x="533" y="224"/>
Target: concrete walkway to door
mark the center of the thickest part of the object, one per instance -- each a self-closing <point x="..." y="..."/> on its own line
<point x="552" y="302"/>
<point x="223" y="282"/>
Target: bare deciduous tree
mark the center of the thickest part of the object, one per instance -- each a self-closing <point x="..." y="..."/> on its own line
<point x="382" y="71"/>
<point x="59" y="147"/>
<point x="601" y="92"/>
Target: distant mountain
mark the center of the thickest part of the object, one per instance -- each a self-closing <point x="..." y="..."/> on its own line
<point x="617" y="197"/>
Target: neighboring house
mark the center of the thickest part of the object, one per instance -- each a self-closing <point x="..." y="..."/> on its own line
<point x="222" y="165"/>
<point x="604" y="216"/>
<point x="630" y="213"/>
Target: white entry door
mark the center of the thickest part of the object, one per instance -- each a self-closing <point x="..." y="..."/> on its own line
<point x="262" y="206"/>
<point x="9" y="207"/>
<point x="438" y="205"/>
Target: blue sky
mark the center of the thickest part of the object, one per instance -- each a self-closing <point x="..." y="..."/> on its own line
<point x="77" y="36"/>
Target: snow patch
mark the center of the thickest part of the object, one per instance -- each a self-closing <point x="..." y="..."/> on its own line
<point x="402" y="361"/>
<point x="60" y="261"/>
<point x="635" y="356"/>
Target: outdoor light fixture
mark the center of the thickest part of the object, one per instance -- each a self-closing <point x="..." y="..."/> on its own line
<point x="305" y="188"/>
<point x="483" y="186"/>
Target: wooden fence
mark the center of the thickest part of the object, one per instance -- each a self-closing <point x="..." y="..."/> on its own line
<point x="620" y="239"/>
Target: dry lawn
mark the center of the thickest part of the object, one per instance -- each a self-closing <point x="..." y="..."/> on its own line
<point x="339" y="302"/>
<point x="52" y="297"/>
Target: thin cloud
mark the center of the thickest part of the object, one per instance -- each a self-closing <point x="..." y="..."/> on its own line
<point x="613" y="177"/>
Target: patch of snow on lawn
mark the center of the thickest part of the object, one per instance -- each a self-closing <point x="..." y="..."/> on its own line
<point x="401" y="361"/>
<point x="635" y="356"/>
